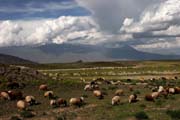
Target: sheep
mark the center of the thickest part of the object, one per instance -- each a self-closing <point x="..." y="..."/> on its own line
<point x="171" y="90"/>
<point x="177" y="90"/>
<point x="161" y="89"/>
<point x="21" y="105"/>
<point x="76" y="101"/>
<point x="61" y="101"/>
<point x="130" y="88"/>
<point x="88" y="87"/>
<point x="149" y="97"/>
<point x="115" y="100"/>
<point x="155" y="95"/>
<point x="49" y="94"/>
<point x="15" y="95"/>
<point x="119" y="92"/>
<point x="53" y="103"/>
<point x="30" y="100"/>
<point x="5" y="96"/>
<point x="132" y="98"/>
<point x="43" y="87"/>
<point x="98" y="94"/>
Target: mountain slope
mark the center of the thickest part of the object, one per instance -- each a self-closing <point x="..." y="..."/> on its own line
<point x="53" y="53"/>
<point x="8" y="59"/>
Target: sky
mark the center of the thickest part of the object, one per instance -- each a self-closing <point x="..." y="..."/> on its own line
<point x="147" y="25"/>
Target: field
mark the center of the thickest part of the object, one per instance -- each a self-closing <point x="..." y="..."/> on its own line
<point x="68" y="80"/>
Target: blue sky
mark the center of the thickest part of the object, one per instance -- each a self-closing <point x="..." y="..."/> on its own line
<point x="31" y="9"/>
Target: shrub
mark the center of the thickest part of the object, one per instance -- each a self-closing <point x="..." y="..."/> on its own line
<point x="141" y="115"/>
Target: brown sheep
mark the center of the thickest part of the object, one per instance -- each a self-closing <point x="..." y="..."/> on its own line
<point x="149" y="97"/>
<point x="119" y="92"/>
<point x="5" y="96"/>
<point x="115" y="100"/>
<point x="76" y="101"/>
<point x="133" y="98"/>
<point x="43" y="87"/>
<point x="21" y="105"/>
<point x="130" y="88"/>
<point x="177" y="90"/>
<point x="15" y="95"/>
<point x="98" y="94"/>
<point x="61" y="101"/>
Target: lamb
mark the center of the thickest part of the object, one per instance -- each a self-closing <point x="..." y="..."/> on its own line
<point x="30" y="100"/>
<point x="61" y="101"/>
<point x="115" y="100"/>
<point x="177" y="90"/>
<point x="132" y="98"/>
<point x="21" y="105"/>
<point x="76" y="101"/>
<point x="49" y="94"/>
<point x="5" y="96"/>
<point x="43" y="87"/>
<point x="98" y="94"/>
<point x="119" y="92"/>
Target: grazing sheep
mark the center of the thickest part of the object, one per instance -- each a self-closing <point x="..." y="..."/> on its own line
<point x="53" y="103"/>
<point x="88" y="87"/>
<point x="149" y="97"/>
<point x="30" y="100"/>
<point x="115" y="100"/>
<point x="5" y="96"/>
<point x="76" y="101"/>
<point x="49" y="94"/>
<point x="15" y="95"/>
<point x="132" y="98"/>
<point x="161" y="89"/>
<point x="98" y="94"/>
<point x="155" y="95"/>
<point x="119" y="92"/>
<point x="171" y="90"/>
<point x="21" y="105"/>
<point x="61" y="101"/>
<point x="43" y="87"/>
<point x="177" y="90"/>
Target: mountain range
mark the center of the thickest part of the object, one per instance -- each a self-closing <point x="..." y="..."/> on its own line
<point x="55" y="53"/>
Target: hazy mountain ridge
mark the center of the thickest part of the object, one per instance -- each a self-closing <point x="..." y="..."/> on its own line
<point x="51" y="53"/>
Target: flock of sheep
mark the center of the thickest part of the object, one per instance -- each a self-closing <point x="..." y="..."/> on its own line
<point x="94" y="86"/>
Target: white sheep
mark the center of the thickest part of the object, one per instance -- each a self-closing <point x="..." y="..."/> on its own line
<point x="76" y="101"/>
<point x="98" y="94"/>
<point x="161" y="89"/>
<point x="119" y="92"/>
<point x="30" y="100"/>
<point x="49" y="94"/>
<point x="5" y="96"/>
<point x="21" y="105"/>
<point x="132" y="98"/>
<point x="115" y="100"/>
